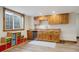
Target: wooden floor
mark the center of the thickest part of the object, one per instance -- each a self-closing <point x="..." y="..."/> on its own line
<point x="60" y="47"/>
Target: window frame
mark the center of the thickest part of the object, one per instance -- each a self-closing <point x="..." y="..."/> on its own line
<point x="15" y="12"/>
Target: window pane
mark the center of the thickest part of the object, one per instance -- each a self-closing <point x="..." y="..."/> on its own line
<point x="8" y="21"/>
<point x="17" y="22"/>
<point x="21" y="22"/>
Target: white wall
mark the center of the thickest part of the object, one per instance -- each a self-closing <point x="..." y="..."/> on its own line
<point x="68" y="31"/>
<point x="31" y="23"/>
<point x="77" y="24"/>
<point x="4" y="34"/>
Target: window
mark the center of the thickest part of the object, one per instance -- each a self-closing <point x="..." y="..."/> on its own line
<point x="12" y="20"/>
<point x="8" y="21"/>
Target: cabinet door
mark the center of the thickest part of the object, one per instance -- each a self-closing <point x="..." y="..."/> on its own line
<point x="54" y="19"/>
<point x="64" y="18"/>
<point x="39" y="36"/>
<point x="47" y="36"/>
<point x="44" y="35"/>
<point x="59" y="19"/>
<point x="50" y="19"/>
<point x="29" y="34"/>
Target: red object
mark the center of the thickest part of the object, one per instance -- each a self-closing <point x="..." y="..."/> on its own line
<point x="18" y="40"/>
<point x="24" y="40"/>
<point x="8" y="45"/>
<point x="2" y="47"/>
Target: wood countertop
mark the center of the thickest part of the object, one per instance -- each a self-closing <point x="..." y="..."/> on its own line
<point x="46" y="30"/>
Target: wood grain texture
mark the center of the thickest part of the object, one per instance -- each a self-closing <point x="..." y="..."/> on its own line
<point x="55" y="18"/>
<point x="47" y="36"/>
<point x="29" y="34"/>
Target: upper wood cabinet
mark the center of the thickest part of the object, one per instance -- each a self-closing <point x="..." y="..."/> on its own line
<point x="59" y="19"/>
<point x="55" y="19"/>
<point x="40" y="18"/>
<point x="64" y="18"/>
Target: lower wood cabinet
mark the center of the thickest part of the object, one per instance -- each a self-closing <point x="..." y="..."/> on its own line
<point x="53" y="36"/>
<point x="29" y="35"/>
<point x="46" y="35"/>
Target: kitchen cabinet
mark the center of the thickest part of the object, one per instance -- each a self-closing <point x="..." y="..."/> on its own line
<point x="53" y="19"/>
<point x="59" y="19"/>
<point x="39" y="35"/>
<point x="49" y="35"/>
<point x="64" y="18"/>
<point x="29" y="34"/>
<point x="44" y="35"/>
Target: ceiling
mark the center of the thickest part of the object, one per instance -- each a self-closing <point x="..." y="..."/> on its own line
<point x="44" y="10"/>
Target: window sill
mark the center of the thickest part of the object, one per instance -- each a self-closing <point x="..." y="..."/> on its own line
<point x="14" y="30"/>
